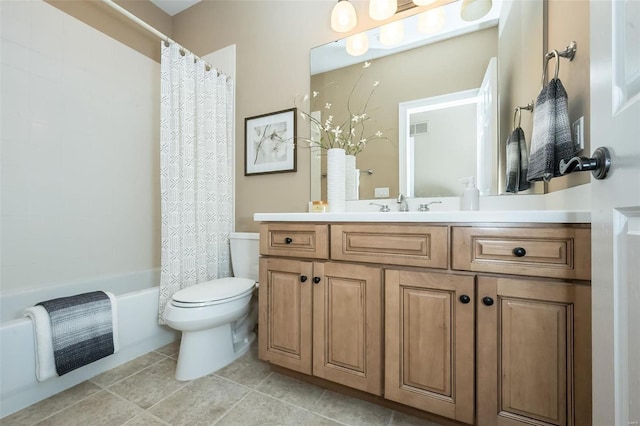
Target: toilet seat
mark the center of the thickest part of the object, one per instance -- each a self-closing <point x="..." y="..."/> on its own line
<point x="214" y="292"/>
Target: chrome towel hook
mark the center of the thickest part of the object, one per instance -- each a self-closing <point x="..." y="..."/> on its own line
<point x="518" y="113"/>
<point x="599" y="164"/>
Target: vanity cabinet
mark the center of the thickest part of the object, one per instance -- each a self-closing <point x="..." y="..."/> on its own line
<point x="533" y="352"/>
<point x="486" y="325"/>
<point x="429" y="342"/>
<point x="322" y="318"/>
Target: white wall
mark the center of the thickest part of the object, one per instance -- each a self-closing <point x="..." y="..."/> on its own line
<point x="79" y="151"/>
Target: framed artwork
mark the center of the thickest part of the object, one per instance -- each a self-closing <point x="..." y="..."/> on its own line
<point x="270" y="143"/>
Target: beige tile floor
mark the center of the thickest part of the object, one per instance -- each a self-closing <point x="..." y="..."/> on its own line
<point x="143" y="392"/>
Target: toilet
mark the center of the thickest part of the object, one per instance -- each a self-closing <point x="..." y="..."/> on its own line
<point x="216" y="317"/>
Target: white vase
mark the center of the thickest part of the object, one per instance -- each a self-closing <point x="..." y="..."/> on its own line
<point x="336" y="180"/>
<point x="350" y="177"/>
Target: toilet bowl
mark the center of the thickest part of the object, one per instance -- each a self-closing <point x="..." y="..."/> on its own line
<point x="216" y="317"/>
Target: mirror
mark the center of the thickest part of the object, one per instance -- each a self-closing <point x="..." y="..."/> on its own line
<point x="427" y="70"/>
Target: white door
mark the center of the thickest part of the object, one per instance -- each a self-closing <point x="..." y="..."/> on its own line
<point x="615" y="123"/>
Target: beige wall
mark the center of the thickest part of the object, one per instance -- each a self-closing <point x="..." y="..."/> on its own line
<point x="273" y="40"/>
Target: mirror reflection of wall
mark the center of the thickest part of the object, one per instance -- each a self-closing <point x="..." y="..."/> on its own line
<point x="447" y="66"/>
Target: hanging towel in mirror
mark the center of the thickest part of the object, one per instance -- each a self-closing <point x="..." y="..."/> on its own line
<point x="551" y="139"/>
<point x="517" y="162"/>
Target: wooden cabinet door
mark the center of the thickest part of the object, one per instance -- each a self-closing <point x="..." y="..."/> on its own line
<point x="285" y="313"/>
<point x="347" y="325"/>
<point x="429" y="342"/>
<point x="534" y="362"/>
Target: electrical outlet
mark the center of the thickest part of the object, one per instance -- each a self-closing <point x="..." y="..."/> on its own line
<point x="577" y="133"/>
<point x="381" y="193"/>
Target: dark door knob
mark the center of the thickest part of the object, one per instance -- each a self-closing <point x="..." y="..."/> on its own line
<point x="488" y="301"/>
<point x="465" y="299"/>
<point x="519" y="251"/>
<point x="303" y="278"/>
<point x="316" y="280"/>
<point x="288" y="240"/>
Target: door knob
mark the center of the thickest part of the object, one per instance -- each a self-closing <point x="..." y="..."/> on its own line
<point x="487" y="301"/>
<point x="303" y="278"/>
<point x="465" y="299"/>
<point x="288" y="240"/>
<point x="519" y="252"/>
<point x="316" y="280"/>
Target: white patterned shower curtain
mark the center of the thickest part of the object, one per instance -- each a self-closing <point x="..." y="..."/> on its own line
<point x="196" y="188"/>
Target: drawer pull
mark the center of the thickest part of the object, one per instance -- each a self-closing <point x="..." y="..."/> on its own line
<point x="303" y="278"/>
<point x="487" y="301"/>
<point x="465" y="299"/>
<point x="316" y="280"/>
<point x="288" y="240"/>
<point x="519" y="252"/>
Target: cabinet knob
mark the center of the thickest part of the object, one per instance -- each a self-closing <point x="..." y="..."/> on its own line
<point x="488" y="301"/>
<point x="519" y="251"/>
<point x="316" y="280"/>
<point x="288" y="240"/>
<point x="465" y="299"/>
<point x="303" y="278"/>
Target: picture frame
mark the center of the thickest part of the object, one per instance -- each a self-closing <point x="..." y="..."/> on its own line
<point x="270" y="143"/>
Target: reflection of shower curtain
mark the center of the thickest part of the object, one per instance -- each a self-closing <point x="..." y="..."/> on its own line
<point x="196" y="188"/>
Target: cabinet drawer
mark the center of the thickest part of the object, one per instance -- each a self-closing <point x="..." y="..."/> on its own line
<point x="543" y="252"/>
<point x="413" y="245"/>
<point x="295" y="240"/>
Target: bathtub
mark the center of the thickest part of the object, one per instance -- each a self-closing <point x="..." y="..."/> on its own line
<point x="139" y="331"/>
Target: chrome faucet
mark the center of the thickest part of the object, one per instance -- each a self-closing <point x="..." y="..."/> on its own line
<point x="404" y="207"/>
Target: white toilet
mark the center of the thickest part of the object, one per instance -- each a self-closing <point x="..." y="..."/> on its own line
<point x="216" y="317"/>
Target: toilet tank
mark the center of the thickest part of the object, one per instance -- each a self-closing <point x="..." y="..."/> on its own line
<point x="245" y="252"/>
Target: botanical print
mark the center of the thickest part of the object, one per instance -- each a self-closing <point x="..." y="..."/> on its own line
<point x="270" y="143"/>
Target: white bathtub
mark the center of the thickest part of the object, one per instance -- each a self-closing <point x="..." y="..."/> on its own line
<point x="139" y="332"/>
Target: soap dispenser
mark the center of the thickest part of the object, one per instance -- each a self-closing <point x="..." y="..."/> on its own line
<point x="470" y="199"/>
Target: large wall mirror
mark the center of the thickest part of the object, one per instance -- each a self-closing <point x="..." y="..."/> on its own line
<point x="444" y="101"/>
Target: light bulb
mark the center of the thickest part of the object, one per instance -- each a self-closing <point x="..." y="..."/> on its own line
<point x="357" y="44"/>
<point x="474" y="9"/>
<point x="382" y="9"/>
<point x="431" y="21"/>
<point x="392" y="33"/>
<point x="343" y="17"/>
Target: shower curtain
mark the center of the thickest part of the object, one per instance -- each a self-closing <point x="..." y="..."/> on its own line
<point x="196" y="187"/>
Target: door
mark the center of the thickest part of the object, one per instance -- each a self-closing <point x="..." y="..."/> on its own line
<point x="533" y="363"/>
<point x="615" y="212"/>
<point x="285" y="313"/>
<point x="429" y="342"/>
<point x="347" y="325"/>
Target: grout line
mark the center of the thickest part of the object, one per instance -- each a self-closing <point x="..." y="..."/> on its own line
<point x="64" y="408"/>
<point x="130" y="375"/>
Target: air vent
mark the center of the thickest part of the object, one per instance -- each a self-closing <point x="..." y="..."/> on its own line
<point x="419" y="129"/>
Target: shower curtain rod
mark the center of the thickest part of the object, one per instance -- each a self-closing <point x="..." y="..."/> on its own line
<point x="152" y="30"/>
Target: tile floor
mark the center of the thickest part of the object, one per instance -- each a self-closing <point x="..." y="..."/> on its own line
<point x="144" y="392"/>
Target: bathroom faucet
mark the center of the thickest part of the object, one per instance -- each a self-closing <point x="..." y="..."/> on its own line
<point x="404" y="207"/>
<point x="383" y="207"/>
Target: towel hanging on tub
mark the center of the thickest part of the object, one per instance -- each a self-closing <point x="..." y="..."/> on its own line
<point x="73" y="331"/>
<point x="517" y="162"/>
<point x="551" y="139"/>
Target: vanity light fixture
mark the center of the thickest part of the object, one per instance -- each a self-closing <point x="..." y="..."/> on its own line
<point x="380" y="10"/>
<point x="391" y="33"/>
<point x="474" y="9"/>
<point x="424" y="2"/>
<point x="343" y="17"/>
<point x="357" y="44"/>
<point x="431" y="21"/>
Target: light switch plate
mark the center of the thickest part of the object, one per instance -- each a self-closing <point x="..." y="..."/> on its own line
<point x="381" y="193"/>
<point x="577" y="133"/>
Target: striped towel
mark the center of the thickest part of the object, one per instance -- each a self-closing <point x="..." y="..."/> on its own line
<point x="517" y="162"/>
<point x="82" y="330"/>
<point x="551" y="140"/>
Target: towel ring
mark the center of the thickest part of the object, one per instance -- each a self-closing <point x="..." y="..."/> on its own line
<point x="547" y="57"/>
<point x="518" y="113"/>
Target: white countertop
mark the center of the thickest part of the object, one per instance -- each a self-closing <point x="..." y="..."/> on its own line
<point x="496" y="216"/>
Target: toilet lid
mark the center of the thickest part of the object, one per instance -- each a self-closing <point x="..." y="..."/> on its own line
<point x="214" y="290"/>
